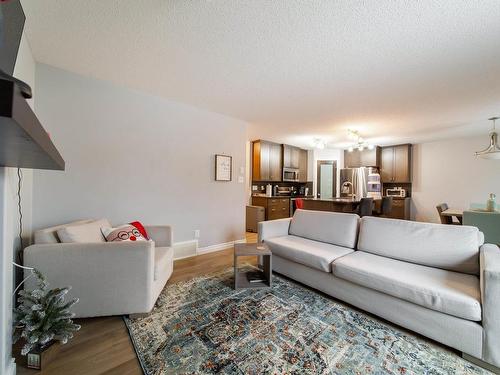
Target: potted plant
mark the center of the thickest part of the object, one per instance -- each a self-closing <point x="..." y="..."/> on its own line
<point x="42" y="319"/>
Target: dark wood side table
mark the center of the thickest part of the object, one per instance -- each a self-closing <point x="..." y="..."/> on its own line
<point x="241" y="279"/>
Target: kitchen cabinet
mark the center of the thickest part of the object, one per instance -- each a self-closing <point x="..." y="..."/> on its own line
<point x="303" y="165"/>
<point x="396" y="164"/>
<point x="267" y="161"/>
<point x="352" y="159"/>
<point x="291" y="157"/>
<point x="400" y="208"/>
<point x="365" y="158"/>
<point x="275" y="162"/>
<point x="275" y="207"/>
<point x="296" y="158"/>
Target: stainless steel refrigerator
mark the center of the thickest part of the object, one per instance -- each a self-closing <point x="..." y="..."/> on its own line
<point x="359" y="182"/>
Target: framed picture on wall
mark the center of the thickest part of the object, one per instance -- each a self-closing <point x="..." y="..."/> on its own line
<point x="223" y="168"/>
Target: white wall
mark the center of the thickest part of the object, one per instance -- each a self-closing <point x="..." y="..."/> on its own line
<point x="132" y="156"/>
<point x="448" y="171"/>
<point x="325" y="154"/>
<point x="24" y="70"/>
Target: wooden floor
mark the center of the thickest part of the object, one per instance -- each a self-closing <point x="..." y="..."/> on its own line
<point x="103" y="345"/>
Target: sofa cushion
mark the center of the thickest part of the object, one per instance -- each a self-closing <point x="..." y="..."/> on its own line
<point x="330" y="227"/>
<point x="452" y="293"/>
<point x="451" y="247"/>
<point x="318" y="255"/>
<point x="83" y="233"/>
<point x="163" y="258"/>
<point x="49" y="235"/>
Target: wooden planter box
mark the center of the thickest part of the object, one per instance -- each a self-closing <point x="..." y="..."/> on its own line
<point x="40" y="358"/>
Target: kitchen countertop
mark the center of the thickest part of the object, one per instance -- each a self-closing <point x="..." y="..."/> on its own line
<point x="282" y="196"/>
<point x="312" y="198"/>
<point x="335" y="200"/>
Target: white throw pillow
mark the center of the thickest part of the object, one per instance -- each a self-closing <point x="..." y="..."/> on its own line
<point x="90" y="232"/>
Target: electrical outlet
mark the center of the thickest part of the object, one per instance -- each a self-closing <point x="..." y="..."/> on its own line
<point x="197" y="234"/>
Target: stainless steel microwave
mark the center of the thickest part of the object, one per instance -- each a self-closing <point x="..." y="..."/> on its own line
<point x="290" y="174"/>
<point x="396" y="192"/>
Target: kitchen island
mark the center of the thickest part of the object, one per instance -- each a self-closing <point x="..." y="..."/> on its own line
<point x="400" y="206"/>
<point x="334" y="204"/>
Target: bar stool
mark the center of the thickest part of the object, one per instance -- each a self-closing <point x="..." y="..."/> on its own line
<point x="385" y="207"/>
<point x="365" y="207"/>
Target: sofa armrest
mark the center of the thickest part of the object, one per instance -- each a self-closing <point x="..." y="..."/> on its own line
<point x="490" y="297"/>
<point x="109" y="278"/>
<point x="273" y="228"/>
<point x="161" y="234"/>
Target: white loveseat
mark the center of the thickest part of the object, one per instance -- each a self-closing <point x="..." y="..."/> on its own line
<point x="109" y="278"/>
<point x="438" y="280"/>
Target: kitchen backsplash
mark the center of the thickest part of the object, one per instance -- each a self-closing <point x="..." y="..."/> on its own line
<point x="261" y="186"/>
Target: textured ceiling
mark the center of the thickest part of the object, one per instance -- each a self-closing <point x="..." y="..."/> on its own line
<point x="395" y="70"/>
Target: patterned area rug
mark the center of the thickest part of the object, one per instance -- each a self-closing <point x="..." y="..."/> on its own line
<point x="203" y="326"/>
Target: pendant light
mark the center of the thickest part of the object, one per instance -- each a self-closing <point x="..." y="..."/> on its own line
<point x="493" y="150"/>
<point x="360" y="144"/>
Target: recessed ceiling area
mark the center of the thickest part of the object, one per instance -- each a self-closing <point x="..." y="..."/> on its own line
<point x="396" y="71"/>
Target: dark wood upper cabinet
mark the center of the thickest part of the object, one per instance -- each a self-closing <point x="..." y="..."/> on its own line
<point x="275" y="162"/>
<point x="387" y="164"/>
<point x="302" y="165"/>
<point x="267" y="161"/>
<point x="396" y="164"/>
<point x="291" y="157"/>
<point x="352" y="159"/>
<point x="365" y="158"/>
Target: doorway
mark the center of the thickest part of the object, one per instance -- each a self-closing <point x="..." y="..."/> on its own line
<point x="326" y="179"/>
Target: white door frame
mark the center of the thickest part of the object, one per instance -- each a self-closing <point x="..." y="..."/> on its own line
<point x="7" y="364"/>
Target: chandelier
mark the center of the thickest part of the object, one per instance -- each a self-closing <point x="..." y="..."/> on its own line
<point x="493" y="150"/>
<point x="360" y="143"/>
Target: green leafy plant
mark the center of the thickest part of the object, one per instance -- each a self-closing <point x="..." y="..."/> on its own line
<point x="43" y="316"/>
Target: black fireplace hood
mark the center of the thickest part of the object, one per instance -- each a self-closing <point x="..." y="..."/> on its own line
<point x="24" y="142"/>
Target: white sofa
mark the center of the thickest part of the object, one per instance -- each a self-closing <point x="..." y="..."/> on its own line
<point x="109" y="278"/>
<point x="438" y="280"/>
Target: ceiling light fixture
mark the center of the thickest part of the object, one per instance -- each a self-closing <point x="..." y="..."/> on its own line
<point x="360" y="144"/>
<point x="319" y="143"/>
<point x="493" y="150"/>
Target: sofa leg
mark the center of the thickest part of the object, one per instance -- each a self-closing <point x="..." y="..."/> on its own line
<point x="138" y="315"/>
<point x="480" y="363"/>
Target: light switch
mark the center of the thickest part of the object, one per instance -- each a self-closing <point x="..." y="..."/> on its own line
<point x="241" y="179"/>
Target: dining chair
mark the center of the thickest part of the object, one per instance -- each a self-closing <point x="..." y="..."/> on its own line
<point x="444" y="218"/>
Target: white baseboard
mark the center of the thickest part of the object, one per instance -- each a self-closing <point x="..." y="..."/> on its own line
<point x="11" y="370"/>
<point x="188" y="249"/>
<point x="185" y="249"/>
<point x="218" y="247"/>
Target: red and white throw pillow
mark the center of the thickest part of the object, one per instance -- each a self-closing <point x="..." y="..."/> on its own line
<point x="141" y="228"/>
<point x="127" y="232"/>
